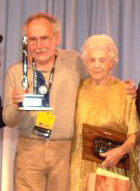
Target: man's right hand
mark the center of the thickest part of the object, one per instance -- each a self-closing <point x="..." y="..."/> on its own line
<point x="18" y="95"/>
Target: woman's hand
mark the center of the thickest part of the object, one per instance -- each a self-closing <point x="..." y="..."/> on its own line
<point x="112" y="157"/>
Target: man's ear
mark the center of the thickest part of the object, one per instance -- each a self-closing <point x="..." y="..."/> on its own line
<point x="58" y="38"/>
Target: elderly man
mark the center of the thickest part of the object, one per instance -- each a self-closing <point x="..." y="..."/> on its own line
<point x="41" y="164"/>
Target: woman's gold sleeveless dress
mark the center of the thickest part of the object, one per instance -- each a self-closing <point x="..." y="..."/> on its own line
<point x="103" y="106"/>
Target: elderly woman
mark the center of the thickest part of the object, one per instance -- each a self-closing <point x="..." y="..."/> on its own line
<point x="102" y="101"/>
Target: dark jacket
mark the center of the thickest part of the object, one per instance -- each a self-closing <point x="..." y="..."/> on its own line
<point x="2" y="124"/>
<point x="138" y="100"/>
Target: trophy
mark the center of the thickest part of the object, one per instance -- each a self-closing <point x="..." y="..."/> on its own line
<point x="39" y="100"/>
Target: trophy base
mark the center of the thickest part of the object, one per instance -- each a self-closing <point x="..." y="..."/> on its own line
<point x="33" y="102"/>
<point x="35" y="108"/>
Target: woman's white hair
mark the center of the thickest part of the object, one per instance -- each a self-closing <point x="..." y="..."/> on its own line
<point x="100" y="41"/>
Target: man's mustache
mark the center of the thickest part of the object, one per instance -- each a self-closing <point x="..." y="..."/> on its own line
<point x="42" y="50"/>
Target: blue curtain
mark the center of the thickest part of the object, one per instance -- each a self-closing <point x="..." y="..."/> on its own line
<point x="79" y="19"/>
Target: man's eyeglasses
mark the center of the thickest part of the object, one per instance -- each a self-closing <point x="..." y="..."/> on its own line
<point x="42" y="40"/>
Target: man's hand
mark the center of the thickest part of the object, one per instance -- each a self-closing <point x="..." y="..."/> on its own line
<point x="130" y="89"/>
<point x="18" y="95"/>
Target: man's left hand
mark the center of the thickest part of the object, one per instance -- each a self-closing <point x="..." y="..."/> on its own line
<point x="130" y="88"/>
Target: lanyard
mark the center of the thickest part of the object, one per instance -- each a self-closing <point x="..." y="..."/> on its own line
<point x="39" y="80"/>
<point x="51" y="77"/>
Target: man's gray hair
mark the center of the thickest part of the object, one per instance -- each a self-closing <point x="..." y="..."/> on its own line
<point x="55" y="23"/>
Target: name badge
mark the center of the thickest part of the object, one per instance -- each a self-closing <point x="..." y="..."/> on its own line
<point x="44" y="123"/>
